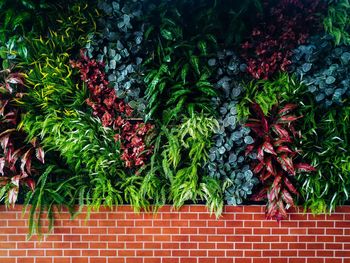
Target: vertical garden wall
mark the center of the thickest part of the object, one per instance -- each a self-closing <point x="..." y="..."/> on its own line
<point x="149" y="103"/>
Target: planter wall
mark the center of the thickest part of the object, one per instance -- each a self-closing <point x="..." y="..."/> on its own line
<point x="241" y="235"/>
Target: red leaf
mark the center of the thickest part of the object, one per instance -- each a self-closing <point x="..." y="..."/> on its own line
<point x="261" y="195"/>
<point x="286" y="163"/>
<point x="249" y="149"/>
<point x="4" y="138"/>
<point x="284" y="149"/>
<point x="30" y="183"/>
<point x="258" y="168"/>
<point x="257" y="110"/>
<point x="288" y="119"/>
<point x="265" y="176"/>
<point x="282" y="211"/>
<point x="260" y="114"/>
<point x="287" y="198"/>
<point x="3" y="104"/>
<point x="304" y="167"/>
<point x="26" y="161"/>
<point x="2" y="165"/>
<point x="287" y="108"/>
<point x="290" y="186"/>
<point x="270" y="168"/>
<point x="267" y="147"/>
<point x="260" y="155"/>
<point x="281" y="141"/>
<point x="282" y="133"/>
<point x="40" y="154"/>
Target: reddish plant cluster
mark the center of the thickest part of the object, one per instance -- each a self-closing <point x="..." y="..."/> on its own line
<point x="282" y="28"/>
<point x="114" y="112"/>
<point x="274" y="136"/>
<point x="16" y="156"/>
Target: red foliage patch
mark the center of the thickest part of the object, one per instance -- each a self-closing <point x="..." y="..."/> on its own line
<point x="274" y="136"/>
<point x="114" y="112"/>
<point x="16" y="156"/>
<point x="281" y="29"/>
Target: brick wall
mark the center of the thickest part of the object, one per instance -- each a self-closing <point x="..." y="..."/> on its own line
<point x="241" y="235"/>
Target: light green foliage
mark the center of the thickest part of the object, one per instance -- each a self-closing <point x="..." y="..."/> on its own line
<point x="337" y="22"/>
<point x="187" y="152"/>
<point x="268" y="93"/>
<point x="325" y="145"/>
<point x="85" y="148"/>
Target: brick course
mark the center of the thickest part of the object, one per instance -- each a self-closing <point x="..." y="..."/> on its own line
<point x="241" y="235"/>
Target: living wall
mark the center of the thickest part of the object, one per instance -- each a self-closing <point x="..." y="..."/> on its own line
<point x="155" y="102"/>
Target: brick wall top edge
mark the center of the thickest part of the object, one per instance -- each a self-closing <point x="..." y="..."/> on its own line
<point x="186" y="209"/>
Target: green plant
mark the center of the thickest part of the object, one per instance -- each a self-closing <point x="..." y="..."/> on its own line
<point x="187" y="152"/>
<point x="178" y="79"/>
<point x="325" y="145"/>
<point x="267" y="93"/>
<point x="337" y="21"/>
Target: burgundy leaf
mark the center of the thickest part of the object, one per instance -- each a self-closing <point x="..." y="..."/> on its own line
<point x="267" y="147"/>
<point x="26" y="161"/>
<point x="304" y="167"/>
<point x="282" y="141"/>
<point x="290" y="186"/>
<point x="3" y="104"/>
<point x="40" y="154"/>
<point x="282" y="133"/>
<point x="287" y="198"/>
<point x="287" y="109"/>
<point x="286" y="163"/>
<point x="284" y="149"/>
<point x="258" y="168"/>
<point x="288" y="119"/>
<point x="30" y="183"/>
<point x="249" y="149"/>
<point x="261" y="195"/>
<point x="260" y="155"/>
<point x="270" y="168"/>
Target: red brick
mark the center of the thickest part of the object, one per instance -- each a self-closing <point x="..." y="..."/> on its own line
<point x="261" y="260"/>
<point x="252" y="253"/>
<point x="188" y="260"/>
<point x="243" y="260"/>
<point x="80" y="260"/>
<point x="98" y="260"/>
<point x="25" y="260"/>
<point x="171" y="260"/>
<point x="61" y="260"/>
<point x="43" y="260"/>
<point x="152" y="260"/>
<point x="243" y="217"/>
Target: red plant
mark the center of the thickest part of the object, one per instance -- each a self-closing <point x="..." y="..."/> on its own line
<point x="283" y="27"/>
<point x="15" y="155"/>
<point x="276" y="164"/>
<point x="114" y="112"/>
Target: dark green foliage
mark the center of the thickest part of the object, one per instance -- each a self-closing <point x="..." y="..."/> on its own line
<point x="337" y="21"/>
<point x="179" y="77"/>
<point x="324" y="69"/>
<point x="325" y="144"/>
